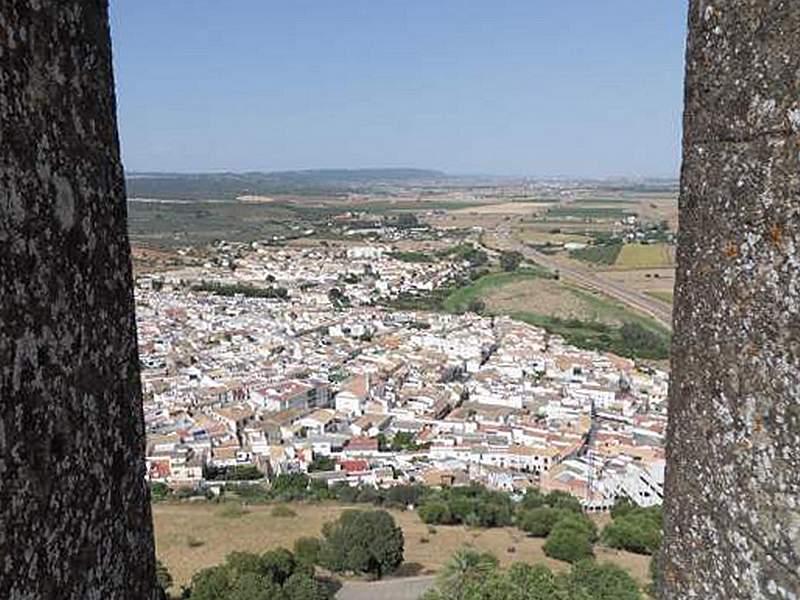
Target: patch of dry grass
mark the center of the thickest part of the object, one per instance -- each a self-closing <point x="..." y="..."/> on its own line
<point x="179" y="528"/>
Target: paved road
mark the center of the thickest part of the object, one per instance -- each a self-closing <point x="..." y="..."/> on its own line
<point x="405" y="588"/>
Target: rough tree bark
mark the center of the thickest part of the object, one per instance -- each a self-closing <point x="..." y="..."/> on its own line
<point x="75" y="519"/>
<point x="732" y="510"/>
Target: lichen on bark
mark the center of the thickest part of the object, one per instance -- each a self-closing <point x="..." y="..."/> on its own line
<point x="75" y="517"/>
<point x="732" y="498"/>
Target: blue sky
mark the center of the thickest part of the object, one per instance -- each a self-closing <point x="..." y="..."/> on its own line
<point x="516" y="87"/>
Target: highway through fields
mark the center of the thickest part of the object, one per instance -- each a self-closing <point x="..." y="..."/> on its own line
<point x="660" y="311"/>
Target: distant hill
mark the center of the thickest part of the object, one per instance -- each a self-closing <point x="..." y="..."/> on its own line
<point x="197" y="186"/>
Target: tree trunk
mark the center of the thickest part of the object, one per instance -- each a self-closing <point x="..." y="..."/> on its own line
<point x="75" y="517"/>
<point x="732" y="510"/>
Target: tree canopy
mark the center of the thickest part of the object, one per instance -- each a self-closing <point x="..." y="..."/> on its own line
<point x="359" y="541"/>
<point x="473" y="575"/>
<point x="273" y="575"/>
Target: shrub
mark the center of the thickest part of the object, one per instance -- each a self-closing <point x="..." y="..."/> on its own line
<point x="290" y="484"/>
<point x="211" y="584"/>
<point x="232" y="510"/>
<point x="251" y="586"/>
<point x="306" y="550"/>
<point x="282" y="511"/>
<point x="537" y="581"/>
<point x="587" y="579"/>
<point x="405" y="495"/>
<point x="637" y="530"/>
<point x="533" y="498"/>
<point x="564" y="500"/>
<point x="437" y="513"/>
<point x="279" y="564"/>
<point x="538" y="522"/>
<point x="470" y="575"/>
<point x="322" y="463"/>
<point x="301" y="586"/>
<point x="159" y="492"/>
<point x="580" y="523"/>
<point x="163" y="576"/>
<point x="252" y="494"/>
<point x="368" y="495"/>
<point x="247" y="576"/>
<point x="474" y="506"/>
<point x="345" y="493"/>
<point x="622" y="506"/>
<point x="567" y="543"/>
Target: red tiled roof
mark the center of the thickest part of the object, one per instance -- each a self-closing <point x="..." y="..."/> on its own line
<point x="362" y="444"/>
<point x="354" y="466"/>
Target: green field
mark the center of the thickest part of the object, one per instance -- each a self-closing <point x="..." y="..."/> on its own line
<point x="645" y="256"/>
<point x="598" y="255"/>
<point x="460" y="299"/>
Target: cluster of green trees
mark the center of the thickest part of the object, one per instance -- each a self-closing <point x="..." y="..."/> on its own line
<point x="289" y="487"/>
<point x="413" y="257"/>
<point x="363" y="542"/>
<point x="558" y="516"/>
<point x="405" y="220"/>
<point x="401" y="441"/>
<point x="474" y="256"/>
<point x="473" y="575"/>
<point x="232" y="473"/>
<point x="274" y="575"/>
<point x="239" y="289"/>
<point x="434" y="300"/>
<point x="472" y="505"/>
<point x="632" y="339"/>
<point x="510" y="261"/>
<point x="633" y="528"/>
<point x="322" y="463"/>
<point x="644" y="342"/>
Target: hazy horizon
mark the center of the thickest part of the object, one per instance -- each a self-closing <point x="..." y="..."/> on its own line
<point x="574" y="91"/>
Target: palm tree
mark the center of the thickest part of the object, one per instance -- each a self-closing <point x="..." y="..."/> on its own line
<point x="466" y="567"/>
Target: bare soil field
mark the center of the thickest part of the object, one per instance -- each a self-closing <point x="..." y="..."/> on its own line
<point x="644" y="280"/>
<point x="657" y="209"/>
<point x="506" y="208"/>
<point x="529" y="235"/>
<point x="190" y="537"/>
<point x="546" y="297"/>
